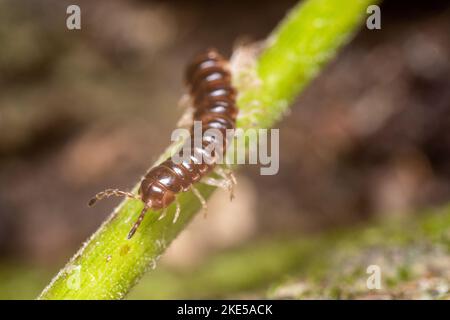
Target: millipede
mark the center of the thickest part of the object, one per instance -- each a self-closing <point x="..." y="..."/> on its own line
<point x="213" y="98"/>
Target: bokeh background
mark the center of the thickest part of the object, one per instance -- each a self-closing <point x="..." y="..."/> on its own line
<point x="89" y="109"/>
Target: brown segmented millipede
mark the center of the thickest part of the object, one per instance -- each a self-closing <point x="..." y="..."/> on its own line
<point x="214" y="101"/>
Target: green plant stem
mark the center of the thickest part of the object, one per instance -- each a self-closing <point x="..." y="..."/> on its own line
<point x="108" y="265"/>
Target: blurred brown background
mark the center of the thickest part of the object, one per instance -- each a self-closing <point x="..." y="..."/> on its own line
<point x="84" y="110"/>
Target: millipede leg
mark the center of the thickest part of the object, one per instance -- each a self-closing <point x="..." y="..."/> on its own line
<point x="201" y="199"/>
<point x="223" y="184"/>
<point x="226" y="173"/>
<point x="229" y="177"/>
<point x="230" y="173"/>
<point x="177" y="211"/>
<point x="112" y="192"/>
<point x="163" y="214"/>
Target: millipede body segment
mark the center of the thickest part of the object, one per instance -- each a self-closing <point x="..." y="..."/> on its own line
<point x="214" y="101"/>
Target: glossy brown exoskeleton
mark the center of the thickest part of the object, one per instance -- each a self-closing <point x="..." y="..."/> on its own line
<point x="213" y="99"/>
